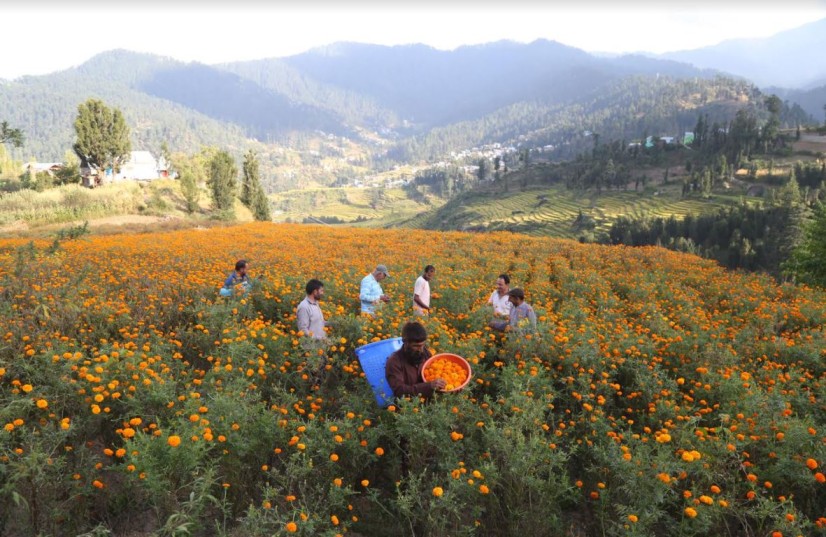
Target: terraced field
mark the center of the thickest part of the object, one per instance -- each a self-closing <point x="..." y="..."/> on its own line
<point x="554" y="211"/>
<point x="363" y="207"/>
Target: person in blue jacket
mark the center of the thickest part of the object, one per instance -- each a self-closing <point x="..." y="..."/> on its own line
<point x="239" y="277"/>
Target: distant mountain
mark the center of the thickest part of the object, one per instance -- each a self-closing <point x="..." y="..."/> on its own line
<point x="399" y="104"/>
<point x="792" y="59"/>
<point x="430" y="87"/>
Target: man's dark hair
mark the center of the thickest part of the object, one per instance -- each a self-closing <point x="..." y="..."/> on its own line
<point x="413" y="332"/>
<point x="428" y="268"/>
<point x="505" y="278"/>
<point x="241" y="263"/>
<point x="312" y="285"/>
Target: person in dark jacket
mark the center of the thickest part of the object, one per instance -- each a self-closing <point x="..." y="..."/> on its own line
<point x="404" y="367"/>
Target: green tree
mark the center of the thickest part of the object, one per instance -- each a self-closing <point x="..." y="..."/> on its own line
<point x="222" y="181"/>
<point x="102" y="136"/>
<point x="484" y="169"/>
<point x="11" y="136"/>
<point x="252" y="193"/>
<point x="261" y="205"/>
<point x="808" y="261"/>
<point x="70" y="172"/>
<point x="190" y="190"/>
<point x="771" y="129"/>
<point x="250" y="178"/>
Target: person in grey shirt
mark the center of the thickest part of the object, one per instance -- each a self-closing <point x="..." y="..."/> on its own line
<point x="522" y="316"/>
<point x="309" y="317"/>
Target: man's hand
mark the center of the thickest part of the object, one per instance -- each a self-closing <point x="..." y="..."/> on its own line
<point x="384" y="298"/>
<point x="438" y="384"/>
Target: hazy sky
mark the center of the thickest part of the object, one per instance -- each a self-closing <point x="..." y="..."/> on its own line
<point x="42" y="36"/>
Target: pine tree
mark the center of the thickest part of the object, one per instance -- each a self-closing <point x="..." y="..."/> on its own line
<point x="252" y="192"/>
<point x="260" y="205"/>
<point x="250" y="178"/>
<point x="11" y="136"/>
<point x="222" y="182"/>
<point x="808" y="260"/>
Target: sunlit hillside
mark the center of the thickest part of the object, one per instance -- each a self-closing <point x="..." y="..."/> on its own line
<point x="659" y="394"/>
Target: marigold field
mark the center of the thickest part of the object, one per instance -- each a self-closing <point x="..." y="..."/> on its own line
<point x="660" y="395"/>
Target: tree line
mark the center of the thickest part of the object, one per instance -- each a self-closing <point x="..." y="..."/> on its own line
<point x="102" y="143"/>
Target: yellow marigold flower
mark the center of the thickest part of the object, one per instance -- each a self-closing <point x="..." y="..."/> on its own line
<point x="437" y="492"/>
<point x="42" y="403"/>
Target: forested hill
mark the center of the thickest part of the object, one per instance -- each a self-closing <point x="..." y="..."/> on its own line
<point x="397" y="91"/>
<point x="629" y="108"/>
<point x="429" y="87"/>
<point x="409" y="103"/>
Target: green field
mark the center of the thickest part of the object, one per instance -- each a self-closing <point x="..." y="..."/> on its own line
<point x="363" y="207"/>
<point x="553" y="211"/>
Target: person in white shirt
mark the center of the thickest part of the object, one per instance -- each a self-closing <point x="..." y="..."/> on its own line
<point x="499" y="299"/>
<point x="421" y="291"/>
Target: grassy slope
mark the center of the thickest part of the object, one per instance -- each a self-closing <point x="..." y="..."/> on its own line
<point x="551" y="211"/>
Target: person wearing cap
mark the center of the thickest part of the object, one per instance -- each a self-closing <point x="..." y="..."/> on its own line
<point x="421" y="291"/>
<point x="371" y="293"/>
<point x="404" y="367"/>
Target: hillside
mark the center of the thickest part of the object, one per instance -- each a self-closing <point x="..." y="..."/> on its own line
<point x="288" y="101"/>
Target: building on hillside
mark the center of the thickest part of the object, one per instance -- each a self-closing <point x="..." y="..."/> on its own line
<point x="141" y="166"/>
<point x="49" y="167"/>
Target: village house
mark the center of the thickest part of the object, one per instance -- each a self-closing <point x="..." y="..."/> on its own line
<point x="141" y="166"/>
<point x="49" y="167"/>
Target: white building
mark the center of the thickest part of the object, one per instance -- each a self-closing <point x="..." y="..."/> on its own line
<point x="141" y="166"/>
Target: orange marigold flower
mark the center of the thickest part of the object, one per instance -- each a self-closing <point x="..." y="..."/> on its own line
<point x="438" y="491"/>
<point x="811" y="464"/>
<point x="174" y="440"/>
<point x="291" y="527"/>
<point x="690" y="512"/>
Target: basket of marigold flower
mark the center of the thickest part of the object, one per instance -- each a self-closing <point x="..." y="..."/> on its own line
<point x="454" y="369"/>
